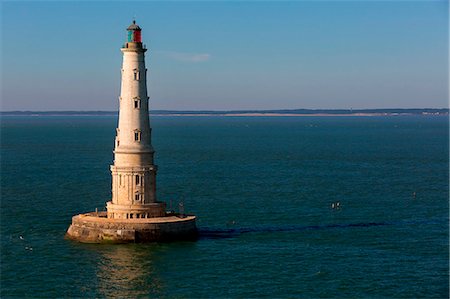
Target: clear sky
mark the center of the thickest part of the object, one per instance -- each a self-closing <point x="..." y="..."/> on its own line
<point x="228" y="55"/>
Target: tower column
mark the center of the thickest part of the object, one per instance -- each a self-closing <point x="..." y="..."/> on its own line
<point x="133" y="214"/>
<point x="133" y="171"/>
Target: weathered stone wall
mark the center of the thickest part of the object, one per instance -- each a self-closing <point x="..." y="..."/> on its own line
<point x="92" y="229"/>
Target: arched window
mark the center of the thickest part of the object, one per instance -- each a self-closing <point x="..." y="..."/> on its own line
<point x="137" y="103"/>
<point x="138" y="197"/>
<point x="136" y="74"/>
<point x="137" y="135"/>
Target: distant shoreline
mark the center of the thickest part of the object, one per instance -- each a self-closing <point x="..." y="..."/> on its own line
<point x="250" y="113"/>
<point x="301" y="115"/>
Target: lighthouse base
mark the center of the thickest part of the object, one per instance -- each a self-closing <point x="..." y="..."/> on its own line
<point x="97" y="228"/>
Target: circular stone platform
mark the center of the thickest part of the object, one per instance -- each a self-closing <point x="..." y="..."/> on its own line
<point x="97" y="228"/>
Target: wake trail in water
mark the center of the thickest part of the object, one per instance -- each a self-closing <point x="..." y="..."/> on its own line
<point x="224" y="233"/>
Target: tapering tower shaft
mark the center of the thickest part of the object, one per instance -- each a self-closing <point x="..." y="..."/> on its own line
<point x="133" y="172"/>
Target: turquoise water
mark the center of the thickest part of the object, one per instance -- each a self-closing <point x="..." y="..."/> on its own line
<point x="262" y="189"/>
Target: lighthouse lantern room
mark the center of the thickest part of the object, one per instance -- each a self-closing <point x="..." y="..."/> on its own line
<point x="134" y="33"/>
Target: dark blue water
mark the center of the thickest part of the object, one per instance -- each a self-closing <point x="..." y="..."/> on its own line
<point x="262" y="189"/>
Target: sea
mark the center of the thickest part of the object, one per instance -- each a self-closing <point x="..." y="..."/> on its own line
<point x="287" y="207"/>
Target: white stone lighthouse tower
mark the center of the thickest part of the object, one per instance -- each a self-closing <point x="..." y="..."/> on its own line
<point x="133" y="214"/>
<point x="133" y="172"/>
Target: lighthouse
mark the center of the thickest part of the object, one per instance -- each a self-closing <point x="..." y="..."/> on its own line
<point x="133" y="214"/>
<point x="134" y="172"/>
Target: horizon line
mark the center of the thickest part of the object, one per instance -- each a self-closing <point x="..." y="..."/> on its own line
<point x="233" y="110"/>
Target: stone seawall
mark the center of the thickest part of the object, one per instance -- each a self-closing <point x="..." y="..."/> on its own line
<point x="95" y="228"/>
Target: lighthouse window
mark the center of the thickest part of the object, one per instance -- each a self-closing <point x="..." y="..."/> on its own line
<point x="137" y="103"/>
<point x="136" y="74"/>
<point x="137" y="135"/>
<point x="138" y="197"/>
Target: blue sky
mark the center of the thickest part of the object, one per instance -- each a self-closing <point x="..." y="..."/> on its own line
<point x="227" y="55"/>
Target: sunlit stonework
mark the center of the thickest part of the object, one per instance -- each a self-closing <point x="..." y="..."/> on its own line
<point x="133" y="214"/>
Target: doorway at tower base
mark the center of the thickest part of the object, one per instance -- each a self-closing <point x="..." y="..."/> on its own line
<point x="96" y="228"/>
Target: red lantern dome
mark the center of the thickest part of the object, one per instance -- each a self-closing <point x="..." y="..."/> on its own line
<point x="134" y="33"/>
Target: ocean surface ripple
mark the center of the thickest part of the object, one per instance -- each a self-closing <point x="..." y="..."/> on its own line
<point x="287" y="207"/>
